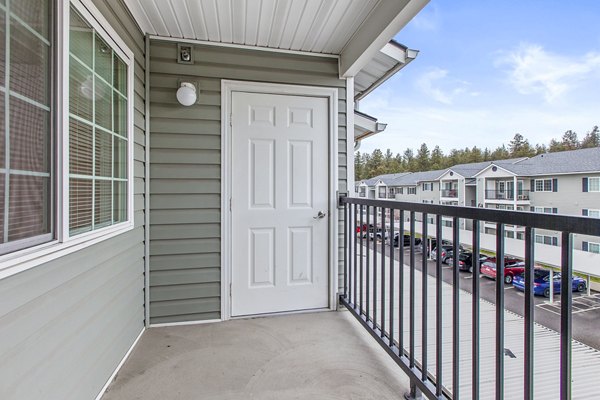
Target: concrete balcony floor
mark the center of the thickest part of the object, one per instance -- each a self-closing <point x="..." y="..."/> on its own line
<point x="322" y="355"/>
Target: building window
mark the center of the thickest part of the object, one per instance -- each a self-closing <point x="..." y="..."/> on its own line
<point x="401" y="190"/>
<point x="412" y="190"/>
<point x="391" y="193"/>
<point x="591" y="247"/>
<point x="427" y="186"/>
<point x="363" y="191"/>
<point x="543" y="185"/>
<point x="591" y="213"/>
<point x="26" y="119"/>
<point x="545" y="210"/>
<point x="591" y="184"/>
<point x="544" y="239"/>
<point x="382" y="192"/>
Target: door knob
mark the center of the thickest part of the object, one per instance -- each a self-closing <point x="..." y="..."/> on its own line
<point x="320" y="215"/>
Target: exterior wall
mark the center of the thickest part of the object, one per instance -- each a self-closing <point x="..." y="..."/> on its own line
<point x="185" y="270"/>
<point x="65" y="325"/>
<point x="569" y="200"/>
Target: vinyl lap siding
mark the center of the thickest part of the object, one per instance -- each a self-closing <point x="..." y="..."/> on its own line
<point x="185" y="169"/>
<point x="65" y="325"/>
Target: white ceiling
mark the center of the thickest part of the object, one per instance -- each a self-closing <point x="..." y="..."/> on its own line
<point x="319" y="26"/>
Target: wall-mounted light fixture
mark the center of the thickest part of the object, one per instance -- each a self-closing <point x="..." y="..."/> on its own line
<point x="185" y="53"/>
<point x="187" y="94"/>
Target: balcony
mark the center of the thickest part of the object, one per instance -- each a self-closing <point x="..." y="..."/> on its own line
<point x="450" y="193"/>
<point x="522" y="195"/>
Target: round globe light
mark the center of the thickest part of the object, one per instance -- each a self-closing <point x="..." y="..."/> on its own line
<point x="186" y="94"/>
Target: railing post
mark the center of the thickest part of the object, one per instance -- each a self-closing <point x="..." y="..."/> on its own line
<point x="566" y="323"/>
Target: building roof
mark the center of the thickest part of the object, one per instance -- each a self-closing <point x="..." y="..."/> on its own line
<point x="414" y="178"/>
<point x="563" y="162"/>
<point x="471" y="169"/>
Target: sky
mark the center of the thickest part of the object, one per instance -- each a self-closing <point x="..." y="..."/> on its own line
<point x="489" y="69"/>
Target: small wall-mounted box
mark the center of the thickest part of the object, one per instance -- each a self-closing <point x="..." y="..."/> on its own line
<point x="185" y="53"/>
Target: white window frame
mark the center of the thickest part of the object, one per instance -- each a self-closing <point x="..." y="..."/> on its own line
<point x="543" y="185"/>
<point x="543" y="210"/>
<point x="412" y="190"/>
<point x="541" y="239"/>
<point x="595" y="246"/>
<point x="589" y="183"/>
<point x="63" y="244"/>
<point x="593" y="213"/>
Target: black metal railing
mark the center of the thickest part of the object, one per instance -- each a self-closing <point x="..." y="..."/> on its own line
<point x="506" y="194"/>
<point x="453" y="193"/>
<point x="380" y="290"/>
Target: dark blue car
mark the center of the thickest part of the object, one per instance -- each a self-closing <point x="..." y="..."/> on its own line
<point x="541" y="283"/>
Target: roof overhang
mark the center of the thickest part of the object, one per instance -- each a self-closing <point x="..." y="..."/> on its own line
<point x="353" y="30"/>
<point x="365" y="126"/>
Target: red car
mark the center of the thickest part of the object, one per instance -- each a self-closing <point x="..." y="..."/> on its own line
<point x="512" y="267"/>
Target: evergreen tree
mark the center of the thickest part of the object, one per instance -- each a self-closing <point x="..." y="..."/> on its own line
<point x="570" y="140"/>
<point x="520" y="147"/>
<point x="409" y="161"/>
<point x="437" y="158"/>
<point x="555" y="146"/>
<point x="540" y="149"/>
<point x="422" y="159"/>
<point x="501" y="153"/>
<point x="591" y="139"/>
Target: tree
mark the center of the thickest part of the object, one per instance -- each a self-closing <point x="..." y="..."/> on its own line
<point x="570" y="140"/>
<point x="520" y="147"/>
<point x="409" y="161"/>
<point x="422" y="159"/>
<point x="437" y="158"/>
<point x="555" y="146"/>
<point x="501" y="153"/>
<point x="375" y="164"/>
<point x="540" y="149"/>
<point x="591" y="139"/>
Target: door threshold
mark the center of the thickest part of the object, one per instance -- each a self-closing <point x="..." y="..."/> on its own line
<point x="282" y="313"/>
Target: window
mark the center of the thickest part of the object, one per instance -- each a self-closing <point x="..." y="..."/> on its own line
<point x="591" y="184"/>
<point x="427" y="186"/>
<point x="545" y="185"/>
<point x="98" y="130"/>
<point x="363" y="191"/>
<point x="591" y="247"/>
<point x="391" y="193"/>
<point x="401" y="190"/>
<point x="382" y="192"/>
<point x="544" y="239"/>
<point x="96" y="185"/>
<point x="26" y="119"/>
<point x="545" y="210"/>
<point x="412" y="190"/>
<point x="591" y="213"/>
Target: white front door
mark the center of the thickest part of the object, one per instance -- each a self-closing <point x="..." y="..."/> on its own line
<point x="279" y="209"/>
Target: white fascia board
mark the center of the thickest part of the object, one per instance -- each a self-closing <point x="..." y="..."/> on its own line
<point x="452" y="178"/>
<point x="494" y="165"/>
<point x="385" y="21"/>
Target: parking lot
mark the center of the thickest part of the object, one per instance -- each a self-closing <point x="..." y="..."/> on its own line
<point x="586" y="309"/>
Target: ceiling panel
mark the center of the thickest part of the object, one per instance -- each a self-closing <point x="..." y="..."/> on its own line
<point x="319" y="26"/>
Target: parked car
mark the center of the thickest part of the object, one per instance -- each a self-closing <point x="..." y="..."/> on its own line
<point x="405" y="240"/>
<point x="465" y="260"/>
<point x="380" y="234"/>
<point x="512" y="268"/>
<point x="541" y="282"/>
<point x="446" y="251"/>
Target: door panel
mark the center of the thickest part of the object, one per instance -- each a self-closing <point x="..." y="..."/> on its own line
<point x="280" y="161"/>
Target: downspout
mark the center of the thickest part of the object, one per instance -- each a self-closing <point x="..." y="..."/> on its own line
<point x="147" y="185"/>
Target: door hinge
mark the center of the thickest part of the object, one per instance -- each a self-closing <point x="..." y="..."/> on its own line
<point x="231" y="119"/>
<point x="230" y="204"/>
<point x="230" y="290"/>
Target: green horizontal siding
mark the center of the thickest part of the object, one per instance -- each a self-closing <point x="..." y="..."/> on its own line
<point x="185" y="169"/>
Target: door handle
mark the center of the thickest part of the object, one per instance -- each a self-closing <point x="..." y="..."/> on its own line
<point x="320" y="215"/>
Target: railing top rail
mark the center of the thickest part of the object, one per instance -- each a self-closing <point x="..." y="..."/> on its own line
<point x="556" y="222"/>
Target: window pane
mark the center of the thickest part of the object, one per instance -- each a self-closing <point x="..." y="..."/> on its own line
<point x="29" y="206"/>
<point x="80" y="148"/>
<point x="2" y="130"/>
<point x="594" y="184"/>
<point x="81" y="90"/>
<point x="103" y="101"/>
<point x="81" y="39"/>
<point x="2" y="47"/>
<point x="80" y="205"/>
<point x="120" y="202"/>
<point x="103" y="59"/>
<point x="2" y="188"/>
<point x="120" y="75"/>
<point x="103" y="153"/>
<point x="103" y="204"/>
<point x="120" y="158"/>
<point x="29" y="65"/>
<point x="120" y="116"/>
<point x="34" y="13"/>
<point x="29" y="137"/>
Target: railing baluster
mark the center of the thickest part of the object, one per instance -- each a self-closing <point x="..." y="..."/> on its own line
<point x="438" y="308"/>
<point x="356" y="251"/>
<point x="401" y="284"/>
<point x="455" y="309"/>
<point x="346" y="248"/>
<point x="360" y="283"/>
<point x="368" y="267"/>
<point x="566" y="305"/>
<point x="375" y="268"/>
<point x="383" y="272"/>
<point x="412" y="291"/>
<point x="529" y="307"/>
<point x="424" y="310"/>
<point x="392" y="281"/>
<point x="475" y="307"/>
<point x="499" y="311"/>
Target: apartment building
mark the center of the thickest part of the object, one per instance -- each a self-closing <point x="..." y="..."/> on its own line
<point x="559" y="183"/>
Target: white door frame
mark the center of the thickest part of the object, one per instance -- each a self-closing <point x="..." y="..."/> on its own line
<point x="331" y="94"/>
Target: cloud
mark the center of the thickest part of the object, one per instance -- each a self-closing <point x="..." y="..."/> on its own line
<point x="533" y="70"/>
<point x="436" y="83"/>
